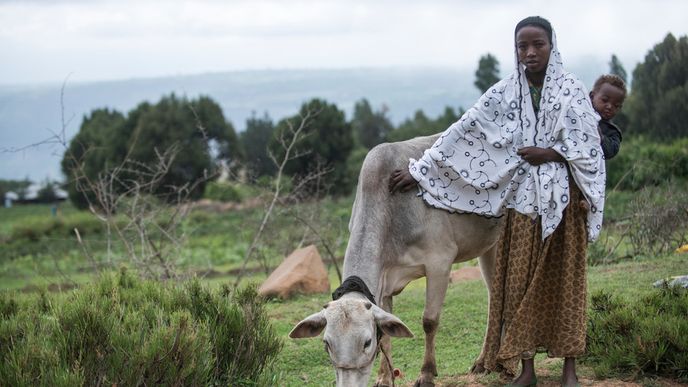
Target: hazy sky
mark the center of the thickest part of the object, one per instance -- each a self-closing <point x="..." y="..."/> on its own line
<point x="45" y="40"/>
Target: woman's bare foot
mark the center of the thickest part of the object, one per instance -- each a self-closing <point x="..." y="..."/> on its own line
<point x="568" y="377"/>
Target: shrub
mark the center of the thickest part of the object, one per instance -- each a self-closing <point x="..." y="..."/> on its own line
<point x="659" y="219"/>
<point x="642" y="163"/>
<point x="222" y="192"/>
<point x="125" y="331"/>
<point x="645" y="336"/>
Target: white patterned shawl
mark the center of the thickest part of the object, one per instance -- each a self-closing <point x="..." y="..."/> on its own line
<point x="473" y="166"/>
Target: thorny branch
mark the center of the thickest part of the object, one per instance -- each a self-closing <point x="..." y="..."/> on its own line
<point x="288" y="140"/>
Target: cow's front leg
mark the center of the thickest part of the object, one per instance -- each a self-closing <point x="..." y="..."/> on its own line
<point x="487" y="266"/>
<point x="384" y="375"/>
<point x="435" y="291"/>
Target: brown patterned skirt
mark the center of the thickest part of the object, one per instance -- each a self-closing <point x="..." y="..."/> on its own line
<point x="537" y="303"/>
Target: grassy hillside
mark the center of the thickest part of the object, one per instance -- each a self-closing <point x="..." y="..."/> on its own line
<point x="38" y="251"/>
<point x="304" y="362"/>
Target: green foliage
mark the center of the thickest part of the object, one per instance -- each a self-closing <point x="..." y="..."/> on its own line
<point x="353" y="165"/>
<point x="370" y="128"/>
<point x="421" y="125"/>
<point x="193" y="130"/>
<point x="223" y="192"/>
<point x="37" y="234"/>
<point x="8" y="307"/>
<point x="17" y="186"/>
<point x="648" y="335"/>
<point x="659" y="219"/>
<point x="96" y="148"/>
<point x="616" y="68"/>
<point x="642" y="162"/>
<point x="255" y="140"/>
<point x="326" y="144"/>
<point x="47" y="194"/>
<point x="487" y="73"/>
<point x="658" y="104"/>
<point x="124" y="331"/>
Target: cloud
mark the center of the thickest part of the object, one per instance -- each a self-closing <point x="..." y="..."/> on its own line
<point x="114" y="39"/>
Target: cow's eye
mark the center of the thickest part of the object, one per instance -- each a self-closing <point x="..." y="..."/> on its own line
<point x="367" y="343"/>
<point x="327" y="345"/>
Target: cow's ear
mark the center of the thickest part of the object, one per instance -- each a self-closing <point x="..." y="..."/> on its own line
<point x="390" y="324"/>
<point x="311" y="326"/>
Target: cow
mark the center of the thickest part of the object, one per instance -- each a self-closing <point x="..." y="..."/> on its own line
<point x="394" y="239"/>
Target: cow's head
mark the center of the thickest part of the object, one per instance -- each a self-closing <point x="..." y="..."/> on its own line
<point x="351" y="336"/>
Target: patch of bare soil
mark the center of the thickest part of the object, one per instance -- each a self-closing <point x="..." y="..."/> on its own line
<point x="547" y="377"/>
<point x="467" y="273"/>
<point x="215" y="206"/>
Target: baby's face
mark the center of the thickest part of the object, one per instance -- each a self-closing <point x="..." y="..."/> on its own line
<point x="607" y="100"/>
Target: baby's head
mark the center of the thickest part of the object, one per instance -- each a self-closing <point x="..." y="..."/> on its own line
<point x="608" y="95"/>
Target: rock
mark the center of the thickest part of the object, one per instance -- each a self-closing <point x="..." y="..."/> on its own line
<point x="673" y="282"/>
<point x="465" y="274"/>
<point x="303" y="271"/>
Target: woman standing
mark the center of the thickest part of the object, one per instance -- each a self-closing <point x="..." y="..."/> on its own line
<point x="527" y="149"/>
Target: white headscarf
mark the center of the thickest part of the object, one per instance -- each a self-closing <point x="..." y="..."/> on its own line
<point x="473" y="166"/>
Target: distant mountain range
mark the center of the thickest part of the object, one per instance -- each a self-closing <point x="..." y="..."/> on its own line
<point x="30" y="114"/>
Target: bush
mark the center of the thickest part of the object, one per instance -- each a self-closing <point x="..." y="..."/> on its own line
<point x="222" y="192"/>
<point x="645" y="336"/>
<point x="125" y="331"/>
<point x="642" y="163"/>
<point x="659" y="220"/>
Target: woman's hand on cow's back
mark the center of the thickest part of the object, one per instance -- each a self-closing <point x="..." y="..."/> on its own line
<point x="401" y="181"/>
<point x="535" y="156"/>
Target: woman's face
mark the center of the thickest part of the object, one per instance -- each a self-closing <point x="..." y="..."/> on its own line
<point x="533" y="47"/>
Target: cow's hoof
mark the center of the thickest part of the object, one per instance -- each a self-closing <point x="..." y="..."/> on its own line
<point x="421" y="383"/>
<point x="381" y="385"/>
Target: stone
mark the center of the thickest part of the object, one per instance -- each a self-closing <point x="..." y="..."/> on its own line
<point x="302" y="272"/>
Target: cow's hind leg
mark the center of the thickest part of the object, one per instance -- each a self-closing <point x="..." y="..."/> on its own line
<point x="384" y="375"/>
<point x="436" y="290"/>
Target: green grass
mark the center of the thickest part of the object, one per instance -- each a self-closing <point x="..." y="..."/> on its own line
<point x="218" y="241"/>
<point x="18" y="214"/>
<point x="303" y="362"/>
<point x="35" y="248"/>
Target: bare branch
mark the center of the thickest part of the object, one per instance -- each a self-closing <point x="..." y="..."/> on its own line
<point x="297" y="135"/>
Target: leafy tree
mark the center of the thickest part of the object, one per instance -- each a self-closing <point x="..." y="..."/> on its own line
<point x="370" y="128"/>
<point x="421" y="125"/>
<point x="196" y="130"/>
<point x="46" y="193"/>
<point x="327" y="143"/>
<point x="220" y="132"/>
<point x="658" y="104"/>
<point x="254" y="141"/>
<point x="616" y="68"/>
<point x="95" y="149"/>
<point x="17" y="186"/>
<point x="487" y="73"/>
